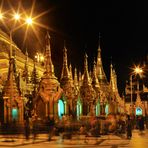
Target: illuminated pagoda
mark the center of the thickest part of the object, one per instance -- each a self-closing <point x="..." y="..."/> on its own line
<point x="13" y="101"/>
<point x="119" y="102"/>
<point x="49" y="91"/>
<point x="13" y="83"/>
<point x="103" y="82"/>
<point x="77" y="99"/>
<point x="67" y="85"/>
<point x="96" y="86"/>
<point x="87" y="92"/>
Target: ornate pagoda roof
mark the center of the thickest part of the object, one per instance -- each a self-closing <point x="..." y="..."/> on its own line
<point x="99" y="69"/>
<point x="10" y="89"/>
<point x="86" y="90"/>
<point x="66" y="77"/>
<point x="49" y="85"/>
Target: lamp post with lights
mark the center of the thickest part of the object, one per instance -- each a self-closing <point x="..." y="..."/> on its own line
<point x="137" y="70"/>
<point x="12" y="29"/>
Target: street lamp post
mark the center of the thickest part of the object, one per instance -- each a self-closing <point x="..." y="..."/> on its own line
<point x="131" y="82"/>
<point x="137" y="70"/>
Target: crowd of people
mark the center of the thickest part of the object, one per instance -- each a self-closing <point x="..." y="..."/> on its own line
<point x="92" y="126"/>
<point x="123" y="124"/>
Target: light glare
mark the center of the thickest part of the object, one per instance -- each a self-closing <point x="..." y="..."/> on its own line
<point x="29" y="21"/>
<point x="1" y="16"/>
<point x="138" y="70"/>
<point x="16" y="16"/>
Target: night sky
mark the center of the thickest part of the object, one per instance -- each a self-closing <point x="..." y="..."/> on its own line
<point x="123" y="26"/>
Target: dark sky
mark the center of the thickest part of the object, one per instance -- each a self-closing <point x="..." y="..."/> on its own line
<point x="123" y="26"/>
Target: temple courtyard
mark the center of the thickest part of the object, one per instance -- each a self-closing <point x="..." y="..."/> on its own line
<point x="139" y="139"/>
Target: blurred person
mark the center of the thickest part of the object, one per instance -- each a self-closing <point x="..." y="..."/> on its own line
<point x="82" y="130"/>
<point x="141" y="123"/>
<point x="27" y="129"/>
<point x="129" y="127"/>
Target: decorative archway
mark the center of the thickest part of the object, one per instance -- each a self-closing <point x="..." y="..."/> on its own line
<point x="79" y="108"/>
<point x="98" y="109"/>
<point x="106" y="109"/>
<point x="138" y="111"/>
<point x="61" y="108"/>
<point x="14" y="113"/>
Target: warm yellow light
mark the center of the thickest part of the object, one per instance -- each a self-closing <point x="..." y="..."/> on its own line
<point x="41" y="58"/>
<point x="138" y="70"/>
<point x="1" y="16"/>
<point x="16" y="16"/>
<point x="29" y="21"/>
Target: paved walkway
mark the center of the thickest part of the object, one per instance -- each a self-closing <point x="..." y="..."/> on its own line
<point x="106" y="141"/>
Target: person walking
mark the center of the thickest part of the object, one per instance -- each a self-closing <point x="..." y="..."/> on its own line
<point x="141" y="123"/>
<point x="50" y="127"/>
<point x="129" y="127"/>
<point x="34" y="128"/>
<point x="27" y="129"/>
<point x="146" y="121"/>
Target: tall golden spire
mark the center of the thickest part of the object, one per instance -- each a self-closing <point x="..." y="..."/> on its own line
<point x="113" y="79"/>
<point x="99" y="67"/>
<point x="113" y="85"/>
<point x="95" y="82"/>
<point x="49" y="90"/>
<point x="49" y="68"/>
<point x="12" y="96"/>
<point x="70" y="72"/>
<point x="67" y="82"/>
<point x="86" y="90"/>
<point x="80" y="78"/>
<point x="10" y="89"/>
<point x="75" y="78"/>
<point x="66" y="76"/>
<point x="65" y="71"/>
<point x="86" y="78"/>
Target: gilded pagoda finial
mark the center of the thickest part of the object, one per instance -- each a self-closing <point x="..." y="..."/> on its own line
<point x="48" y="61"/>
<point x="70" y="72"/>
<point x="75" y="77"/>
<point x="65" y="71"/>
<point x="86" y="73"/>
<point x="47" y="39"/>
<point x="11" y="89"/>
<point x="86" y="90"/>
<point x="85" y="62"/>
<point x="95" y="81"/>
<point x="99" y="67"/>
<point x="99" y="46"/>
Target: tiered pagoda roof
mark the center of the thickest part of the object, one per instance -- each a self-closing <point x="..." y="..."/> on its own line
<point x="49" y="85"/>
<point x="66" y="77"/>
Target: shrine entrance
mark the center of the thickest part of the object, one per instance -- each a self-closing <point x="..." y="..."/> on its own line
<point x="14" y="114"/>
<point x="61" y="108"/>
<point x="79" y="109"/>
<point x="138" y="111"/>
